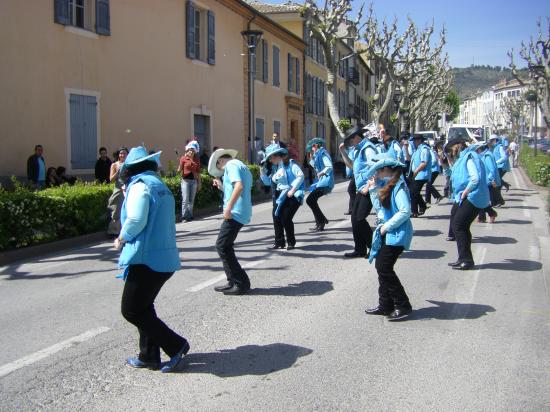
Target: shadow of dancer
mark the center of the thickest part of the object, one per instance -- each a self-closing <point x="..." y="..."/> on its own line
<point x="244" y="360"/>
<point x="451" y="311"/>
<point x="307" y="288"/>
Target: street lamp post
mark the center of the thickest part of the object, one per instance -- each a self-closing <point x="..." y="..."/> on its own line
<point x="252" y="38"/>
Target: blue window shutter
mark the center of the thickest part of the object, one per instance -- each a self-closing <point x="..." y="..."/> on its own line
<point x="314" y="96"/>
<point x="297" y="76"/>
<point x="290" y="73"/>
<point x="211" y="38"/>
<point x="276" y="81"/>
<point x="190" y="30"/>
<point x="102" y="18"/>
<point x="61" y="12"/>
<point x="265" y="55"/>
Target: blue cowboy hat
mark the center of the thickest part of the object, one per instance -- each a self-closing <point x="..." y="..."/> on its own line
<point x="383" y="160"/>
<point x="314" y="141"/>
<point x="138" y="155"/>
<point x="274" y="149"/>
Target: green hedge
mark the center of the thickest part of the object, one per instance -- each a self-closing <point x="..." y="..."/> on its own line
<point x="537" y="168"/>
<point x="28" y="217"/>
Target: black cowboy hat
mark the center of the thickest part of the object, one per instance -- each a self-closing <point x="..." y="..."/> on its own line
<point x="356" y="130"/>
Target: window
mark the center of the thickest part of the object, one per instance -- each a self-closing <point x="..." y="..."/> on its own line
<point x="201" y="130"/>
<point x="276" y="81"/>
<point x="200" y="30"/>
<point x="277" y="127"/>
<point x="83" y="111"/>
<point x="290" y="73"/>
<point x="265" y="56"/>
<point x="91" y="15"/>
<point x="293" y="74"/>
<point x="259" y="130"/>
<point x="297" y="75"/>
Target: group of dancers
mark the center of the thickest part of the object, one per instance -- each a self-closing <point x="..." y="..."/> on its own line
<point x="387" y="175"/>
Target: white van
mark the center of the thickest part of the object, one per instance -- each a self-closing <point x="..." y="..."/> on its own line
<point x="474" y="133"/>
<point x="431" y="136"/>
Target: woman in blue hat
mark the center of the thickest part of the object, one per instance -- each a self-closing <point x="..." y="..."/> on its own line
<point x="392" y="236"/>
<point x="289" y="195"/>
<point x="470" y="195"/>
<point x="149" y="257"/>
<point x="324" y="182"/>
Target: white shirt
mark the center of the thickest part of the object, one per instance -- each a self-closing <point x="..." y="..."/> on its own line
<point x="513" y="146"/>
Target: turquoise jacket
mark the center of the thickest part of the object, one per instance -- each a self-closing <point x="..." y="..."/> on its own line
<point x="501" y="157"/>
<point x="461" y="179"/>
<point x="323" y="162"/>
<point x="436" y="168"/>
<point x="288" y="176"/>
<point x="422" y="154"/>
<point x="397" y="219"/>
<point x="362" y="160"/>
<point x="394" y="150"/>
<point x="155" y="246"/>
<point x="491" y="170"/>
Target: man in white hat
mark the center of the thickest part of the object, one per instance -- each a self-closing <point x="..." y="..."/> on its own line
<point x="234" y="179"/>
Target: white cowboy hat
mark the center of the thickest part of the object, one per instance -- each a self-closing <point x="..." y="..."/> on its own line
<point x="212" y="168"/>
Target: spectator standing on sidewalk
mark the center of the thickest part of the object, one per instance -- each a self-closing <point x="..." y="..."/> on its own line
<point x="117" y="197"/>
<point x="190" y="170"/>
<point x="36" y="168"/>
<point x="149" y="258"/>
<point x="514" y="152"/>
<point x="234" y="179"/>
<point x="102" y="166"/>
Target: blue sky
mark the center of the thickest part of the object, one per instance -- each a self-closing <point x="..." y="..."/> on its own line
<point x="478" y="31"/>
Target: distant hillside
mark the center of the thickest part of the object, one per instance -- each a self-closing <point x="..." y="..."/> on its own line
<point x="470" y="80"/>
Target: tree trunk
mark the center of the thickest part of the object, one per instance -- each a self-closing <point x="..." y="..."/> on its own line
<point x="331" y="101"/>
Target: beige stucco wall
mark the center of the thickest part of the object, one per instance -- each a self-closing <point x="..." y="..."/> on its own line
<point x="144" y="80"/>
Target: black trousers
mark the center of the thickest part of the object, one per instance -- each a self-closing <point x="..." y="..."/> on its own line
<point x="489" y="209"/>
<point x="362" y="232"/>
<point x="312" y="202"/>
<point x="391" y="294"/>
<point x="284" y="222"/>
<point x="461" y="219"/>
<point x="431" y="190"/>
<point x="502" y="172"/>
<point x="352" y="191"/>
<point x="140" y="290"/>
<point x="417" y="203"/>
<point x="236" y="275"/>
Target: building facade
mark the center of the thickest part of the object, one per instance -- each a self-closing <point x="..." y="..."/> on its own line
<point x="81" y="74"/>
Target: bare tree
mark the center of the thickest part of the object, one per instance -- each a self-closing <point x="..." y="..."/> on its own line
<point x="513" y="109"/>
<point x="537" y="56"/>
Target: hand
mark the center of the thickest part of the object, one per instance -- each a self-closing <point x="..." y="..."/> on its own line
<point x="342" y="146"/>
<point x="321" y="174"/>
<point x="365" y="190"/>
<point x="415" y="174"/>
<point x="118" y="244"/>
<point x="494" y="184"/>
<point x="290" y="193"/>
<point x="227" y="214"/>
<point x="383" y="230"/>
<point x="217" y="183"/>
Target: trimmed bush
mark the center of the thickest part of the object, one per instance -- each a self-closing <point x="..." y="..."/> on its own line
<point x="28" y="217"/>
<point x="537" y="168"/>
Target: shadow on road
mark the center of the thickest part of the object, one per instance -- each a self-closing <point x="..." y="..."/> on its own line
<point x="307" y="288"/>
<point x="495" y="240"/>
<point x="519" y="207"/>
<point x="515" y="221"/>
<point x="244" y="360"/>
<point x="451" y="311"/>
<point x="515" y="265"/>
<point x="427" y="232"/>
<point x="424" y="254"/>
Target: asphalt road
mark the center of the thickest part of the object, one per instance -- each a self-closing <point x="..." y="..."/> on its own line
<point x="476" y="341"/>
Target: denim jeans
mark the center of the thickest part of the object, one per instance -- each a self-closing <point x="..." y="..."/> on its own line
<point x="188" y="192"/>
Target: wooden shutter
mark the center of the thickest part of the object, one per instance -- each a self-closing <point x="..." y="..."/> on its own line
<point x="265" y="56"/>
<point x="102" y="18"/>
<point x="61" y="12"/>
<point x="83" y="118"/>
<point x="211" y="38"/>
<point x="290" y="73"/>
<point x="276" y="81"/>
<point x="297" y="76"/>
<point x="190" y="30"/>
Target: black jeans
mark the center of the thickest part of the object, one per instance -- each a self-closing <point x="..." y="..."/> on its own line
<point x="362" y="232"/>
<point x="461" y="219"/>
<point x="417" y="203"/>
<point x="391" y="294"/>
<point x="224" y="246"/>
<point x="312" y="200"/>
<point x="140" y="290"/>
<point x="502" y="172"/>
<point x="352" y="191"/>
<point x="431" y="190"/>
<point x="283" y="223"/>
<point x="489" y="209"/>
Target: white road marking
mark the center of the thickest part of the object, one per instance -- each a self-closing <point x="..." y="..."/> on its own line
<point x="44" y="353"/>
<point x="219" y="278"/>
